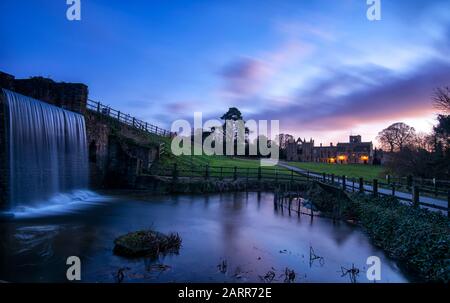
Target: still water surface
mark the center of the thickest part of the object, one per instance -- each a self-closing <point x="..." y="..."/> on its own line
<point x="242" y="230"/>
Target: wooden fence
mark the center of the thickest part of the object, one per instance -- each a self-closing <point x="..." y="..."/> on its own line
<point x="390" y="188"/>
<point x="282" y="175"/>
<point x="433" y="186"/>
<point x="228" y="172"/>
<point x="126" y="119"/>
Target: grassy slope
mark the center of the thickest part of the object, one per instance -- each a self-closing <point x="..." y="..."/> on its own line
<point x="213" y="161"/>
<point x="187" y="162"/>
<point x="368" y="172"/>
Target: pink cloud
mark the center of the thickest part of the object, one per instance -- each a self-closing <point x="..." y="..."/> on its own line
<point x="392" y="98"/>
<point x="242" y="76"/>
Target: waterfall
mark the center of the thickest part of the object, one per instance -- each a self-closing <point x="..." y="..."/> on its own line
<point x="47" y="151"/>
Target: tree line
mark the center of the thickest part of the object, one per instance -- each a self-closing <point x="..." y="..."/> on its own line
<point x="233" y="131"/>
<point x="404" y="151"/>
<point x="427" y="155"/>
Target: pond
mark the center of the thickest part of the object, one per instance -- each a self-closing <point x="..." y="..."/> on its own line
<point x="230" y="237"/>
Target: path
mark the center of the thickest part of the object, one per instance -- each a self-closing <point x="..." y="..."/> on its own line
<point x="400" y="195"/>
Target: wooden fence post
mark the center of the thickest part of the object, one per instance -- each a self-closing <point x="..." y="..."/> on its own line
<point x="221" y="172"/>
<point x="324" y="177"/>
<point x="307" y="175"/>
<point x="259" y="173"/>
<point x="344" y="184"/>
<point x="388" y="179"/>
<point x="175" y="172"/>
<point x="448" y="204"/>
<point x="375" y="187"/>
<point x="416" y="196"/>
<point x="206" y="171"/>
<point x="332" y="179"/>
<point x="235" y="173"/>
<point x="435" y="187"/>
<point x="361" y="185"/>
<point x="409" y="181"/>
<point x="292" y="175"/>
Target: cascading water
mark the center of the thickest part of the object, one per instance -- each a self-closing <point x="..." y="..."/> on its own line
<point x="48" y="153"/>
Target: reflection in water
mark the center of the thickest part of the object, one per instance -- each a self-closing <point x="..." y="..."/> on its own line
<point x="36" y="238"/>
<point x="241" y="230"/>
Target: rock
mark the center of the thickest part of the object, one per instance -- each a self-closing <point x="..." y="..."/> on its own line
<point x="146" y="243"/>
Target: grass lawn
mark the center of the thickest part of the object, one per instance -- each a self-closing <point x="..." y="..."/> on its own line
<point x="189" y="161"/>
<point x="186" y="162"/>
<point x="368" y="172"/>
<point x="222" y="161"/>
<point x="230" y="161"/>
<point x="227" y="161"/>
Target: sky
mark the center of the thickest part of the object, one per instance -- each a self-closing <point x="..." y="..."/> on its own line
<point x="319" y="67"/>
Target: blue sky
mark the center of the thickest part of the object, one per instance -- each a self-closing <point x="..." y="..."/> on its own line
<point x="320" y="67"/>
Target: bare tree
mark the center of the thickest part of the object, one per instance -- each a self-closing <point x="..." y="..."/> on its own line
<point x="441" y="99"/>
<point x="387" y="139"/>
<point x="396" y="136"/>
<point x="423" y="141"/>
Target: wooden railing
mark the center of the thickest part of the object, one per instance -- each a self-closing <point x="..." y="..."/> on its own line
<point x="389" y="188"/>
<point x="282" y="175"/>
<point x="430" y="187"/>
<point x="228" y="172"/>
<point x="126" y="119"/>
<point x="433" y="186"/>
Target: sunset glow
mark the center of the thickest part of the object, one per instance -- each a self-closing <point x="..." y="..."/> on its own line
<point x="319" y="67"/>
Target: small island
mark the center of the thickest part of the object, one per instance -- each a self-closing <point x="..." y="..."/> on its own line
<point x="146" y="243"/>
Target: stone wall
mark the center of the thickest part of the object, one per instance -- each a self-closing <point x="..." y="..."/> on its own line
<point x="117" y="152"/>
<point x="292" y="151"/>
<point x="354" y="151"/>
<point x="6" y="80"/>
<point x="71" y="96"/>
<point x="98" y="142"/>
